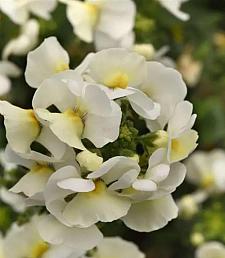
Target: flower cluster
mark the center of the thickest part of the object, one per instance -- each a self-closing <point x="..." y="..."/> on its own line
<point x="26" y="241"/>
<point x="68" y="140"/>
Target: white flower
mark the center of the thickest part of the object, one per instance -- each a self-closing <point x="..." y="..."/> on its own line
<point x="7" y="69"/>
<point x="189" y="204"/>
<point x="113" y="18"/>
<point x="119" y="73"/>
<point x="190" y="69"/>
<point x="26" y="41"/>
<point x="83" y="201"/>
<point x="182" y="139"/>
<point x="46" y="60"/>
<point x="73" y="239"/>
<point x="160" y="178"/>
<point x="206" y="170"/>
<point x="19" y="10"/>
<point x="29" y="240"/>
<point x="86" y="112"/>
<point x="118" y="247"/>
<point x="210" y="250"/>
<point x="15" y="201"/>
<point x="153" y="206"/>
<point x="150" y="215"/>
<point x="40" y="168"/>
<point x="164" y="86"/>
<point x="173" y="6"/>
<point x="22" y="126"/>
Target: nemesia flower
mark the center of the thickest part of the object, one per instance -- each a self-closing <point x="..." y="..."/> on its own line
<point x="40" y="168"/>
<point x="7" y="69"/>
<point x="210" y="250"/>
<point x="119" y="72"/>
<point x="46" y="60"/>
<point x="190" y="69"/>
<point x="182" y="139"/>
<point x="22" y="126"/>
<point x="26" y="41"/>
<point x="91" y="16"/>
<point x="86" y="112"/>
<point x="153" y="206"/>
<point x="164" y="86"/>
<point x="19" y="10"/>
<point x="206" y="170"/>
<point x="189" y="204"/>
<point x="27" y="241"/>
<point x="173" y="6"/>
<point x="94" y="197"/>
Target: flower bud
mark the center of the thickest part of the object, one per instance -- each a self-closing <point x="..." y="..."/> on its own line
<point x="89" y="160"/>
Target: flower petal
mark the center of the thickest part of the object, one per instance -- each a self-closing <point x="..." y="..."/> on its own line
<point x="22" y="127"/>
<point x="46" y="60"/>
<point x="151" y="215"/>
<point x="78" y="238"/>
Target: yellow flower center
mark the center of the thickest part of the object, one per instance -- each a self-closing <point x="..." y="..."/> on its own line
<point x="207" y="181"/>
<point x="117" y="80"/>
<point x="60" y="67"/>
<point x="76" y="118"/>
<point x="35" y="128"/>
<point x="100" y="187"/>
<point x="94" y="13"/>
<point x="39" y="250"/>
<point x="39" y="168"/>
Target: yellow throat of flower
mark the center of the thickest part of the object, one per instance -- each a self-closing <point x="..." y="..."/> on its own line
<point x="117" y="80"/>
<point x="93" y="11"/>
<point x="76" y="118"/>
<point x="207" y="181"/>
<point x="39" y="249"/>
<point x="60" y="67"/>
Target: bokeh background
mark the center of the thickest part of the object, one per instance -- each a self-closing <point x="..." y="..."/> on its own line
<point x="198" y="50"/>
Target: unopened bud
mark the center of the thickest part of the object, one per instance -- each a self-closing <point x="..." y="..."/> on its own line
<point x="89" y="160"/>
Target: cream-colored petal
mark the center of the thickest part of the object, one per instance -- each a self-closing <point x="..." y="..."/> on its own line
<point x="67" y="126"/>
<point x="46" y="60"/>
<point x="78" y="238"/>
<point x="182" y="146"/>
<point x="34" y="181"/>
<point x="22" y="127"/>
<point x="118" y="247"/>
<point x="101" y="204"/>
<point x="151" y="215"/>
